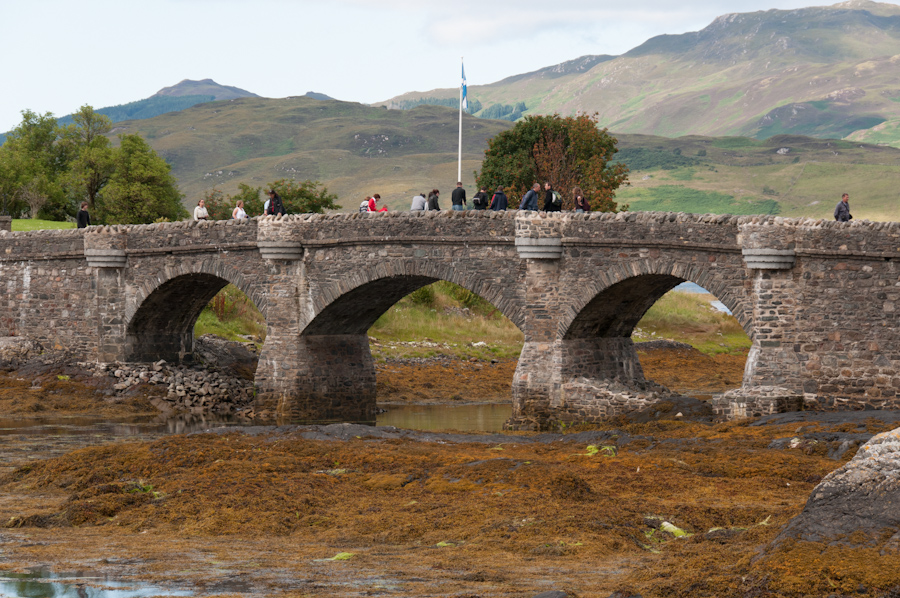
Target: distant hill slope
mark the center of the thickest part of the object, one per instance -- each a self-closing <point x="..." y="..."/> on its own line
<point x="357" y="150"/>
<point x="208" y="87"/>
<point x="823" y="71"/>
<point x="185" y="94"/>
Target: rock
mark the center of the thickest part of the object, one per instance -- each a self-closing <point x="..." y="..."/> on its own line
<point x="856" y="503"/>
<point x="552" y="594"/>
<point x="16" y="349"/>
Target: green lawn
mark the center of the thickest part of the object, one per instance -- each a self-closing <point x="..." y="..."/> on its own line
<point x="31" y="224"/>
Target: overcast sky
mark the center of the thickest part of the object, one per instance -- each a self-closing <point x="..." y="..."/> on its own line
<point x="61" y="54"/>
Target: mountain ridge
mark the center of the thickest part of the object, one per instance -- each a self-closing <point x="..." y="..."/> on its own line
<point x="730" y="78"/>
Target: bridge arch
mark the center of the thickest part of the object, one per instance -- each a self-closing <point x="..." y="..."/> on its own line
<point x="352" y="305"/>
<point x="159" y="320"/>
<point x="615" y="301"/>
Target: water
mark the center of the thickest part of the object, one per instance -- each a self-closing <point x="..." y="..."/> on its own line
<point x="41" y="583"/>
<point x="690" y="287"/>
<point x="483" y="417"/>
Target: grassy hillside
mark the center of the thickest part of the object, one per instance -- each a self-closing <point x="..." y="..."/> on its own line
<point x="786" y="175"/>
<point x="358" y="150"/>
<point x="824" y="71"/>
<point x="355" y="149"/>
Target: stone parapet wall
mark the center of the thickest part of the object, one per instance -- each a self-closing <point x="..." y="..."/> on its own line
<point x="42" y="245"/>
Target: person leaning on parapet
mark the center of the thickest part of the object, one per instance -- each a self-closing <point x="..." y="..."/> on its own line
<point x="373" y="204"/>
<point x="499" y="202"/>
<point x="480" y="199"/>
<point x="530" y="199"/>
<point x="549" y="204"/>
<point x="581" y="202"/>
<point x="83" y="218"/>
<point x="433" y="200"/>
<point x="458" y="198"/>
<point x="419" y="203"/>
<point x="842" y="210"/>
<point x="274" y="206"/>
<point x="238" y="212"/>
<point x="200" y="212"/>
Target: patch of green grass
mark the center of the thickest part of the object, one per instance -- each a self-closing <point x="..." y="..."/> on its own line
<point x="27" y="224"/>
<point x="677" y="198"/>
<point x="432" y="321"/>
<point x="232" y="316"/>
<point x="689" y="318"/>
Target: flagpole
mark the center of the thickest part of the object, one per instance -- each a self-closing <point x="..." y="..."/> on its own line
<point x="461" y="97"/>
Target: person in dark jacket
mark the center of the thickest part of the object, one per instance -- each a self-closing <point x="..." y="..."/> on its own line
<point x="433" y="200"/>
<point x="480" y="200"/>
<point x="581" y="202"/>
<point x="548" y="199"/>
<point x="499" y="202"/>
<point x="83" y="218"/>
<point x="276" y="206"/>
<point x="530" y="199"/>
<point x="842" y="210"/>
<point x="458" y="198"/>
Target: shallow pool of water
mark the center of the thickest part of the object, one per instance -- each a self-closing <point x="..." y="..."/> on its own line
<point x="482" y="417"/>
<point x="41" y="583"/>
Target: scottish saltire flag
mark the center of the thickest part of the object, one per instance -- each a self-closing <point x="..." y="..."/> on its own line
<point x="465" y="99"/>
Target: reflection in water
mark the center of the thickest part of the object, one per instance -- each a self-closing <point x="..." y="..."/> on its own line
<point x="41" y="583"/>
<point x="484" y="417"/>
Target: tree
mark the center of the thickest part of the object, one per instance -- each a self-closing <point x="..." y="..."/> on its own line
<point x="567" y="151"/>
<point x="221" y="206"/>
<point x="305" y="197"/>
<point x="91" y="155"/>
<point x="33" y="164"/>
<point x="142" y="189"/>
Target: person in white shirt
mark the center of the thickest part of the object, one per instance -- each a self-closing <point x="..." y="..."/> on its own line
<point x="419" y="202"/>
<point x="238" y="212"/>
<point x="200" y="212"/>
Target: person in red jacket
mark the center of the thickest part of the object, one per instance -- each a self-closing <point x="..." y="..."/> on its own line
<point x="373" y="204"/>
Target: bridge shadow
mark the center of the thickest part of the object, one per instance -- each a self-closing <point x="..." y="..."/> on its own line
<point x="163" y="327"/>
<point x="661" y="328"/>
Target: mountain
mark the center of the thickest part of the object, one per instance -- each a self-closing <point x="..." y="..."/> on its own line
<point x="822" y="71"/>
<point x="185" y="94"/>
<point x="204" y="87"/>
<point x="357" y="150"/>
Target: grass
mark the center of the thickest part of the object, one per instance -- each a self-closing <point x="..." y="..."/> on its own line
<point x="232" y="316"/>
<point x="27" y="224"/>
<point x="457" y="321"/>
<point x="689" y="318"/>
<point x="446" y="319"/>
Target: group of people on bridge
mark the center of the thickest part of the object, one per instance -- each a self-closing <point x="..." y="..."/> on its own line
<point x="499" y="201"/>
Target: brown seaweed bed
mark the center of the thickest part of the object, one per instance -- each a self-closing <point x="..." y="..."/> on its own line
<point x="427" y="515"/>
<point x="666" y="508"/>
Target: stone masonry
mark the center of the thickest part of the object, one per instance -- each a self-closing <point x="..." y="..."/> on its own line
<point x="819" y="299"/>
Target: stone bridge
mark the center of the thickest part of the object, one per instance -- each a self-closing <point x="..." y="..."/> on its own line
<point x="820" y="300"/>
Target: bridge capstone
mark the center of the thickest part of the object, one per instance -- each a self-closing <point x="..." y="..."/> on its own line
<point x="820" y="300"/>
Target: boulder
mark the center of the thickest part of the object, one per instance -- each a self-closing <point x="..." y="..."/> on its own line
<point x="857" y="504"/>
<point x="16" y="349"/>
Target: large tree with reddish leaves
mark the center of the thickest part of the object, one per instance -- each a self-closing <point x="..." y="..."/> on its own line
<point x="568" y="152"/>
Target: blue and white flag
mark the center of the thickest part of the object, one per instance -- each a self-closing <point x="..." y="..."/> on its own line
<point x="465" y="99"/>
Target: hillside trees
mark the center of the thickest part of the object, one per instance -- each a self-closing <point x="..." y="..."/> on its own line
<point x="304" y="197"/>
<point x="567" y="151"/>
<point x="141" y="188"/>
<point x="91" y="163"/>
<point x="32" y="166"/>
<point x="47" y="170"/>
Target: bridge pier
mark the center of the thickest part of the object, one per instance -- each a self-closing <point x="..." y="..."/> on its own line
<point x="316" y="378"/>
